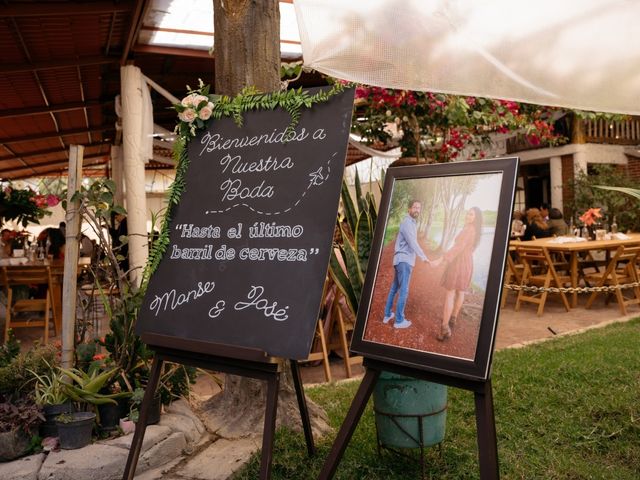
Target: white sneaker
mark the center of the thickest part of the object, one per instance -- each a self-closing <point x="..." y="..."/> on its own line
<point x="403" y="324"/>
<point x="386" y="319"/>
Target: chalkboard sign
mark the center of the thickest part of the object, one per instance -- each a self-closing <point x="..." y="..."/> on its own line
<point x="251" y="237"/>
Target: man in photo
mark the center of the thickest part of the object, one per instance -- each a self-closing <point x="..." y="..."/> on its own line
<point x="404" y="259"/>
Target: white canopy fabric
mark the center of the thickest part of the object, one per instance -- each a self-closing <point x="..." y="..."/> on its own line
<point x="582" y="54"/>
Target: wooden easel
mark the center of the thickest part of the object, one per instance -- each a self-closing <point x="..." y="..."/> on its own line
<point x="229" y="359"/>
<point x="485" y="422"/>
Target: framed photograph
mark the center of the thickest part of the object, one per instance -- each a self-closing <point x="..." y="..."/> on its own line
<point x="432" y="290"/>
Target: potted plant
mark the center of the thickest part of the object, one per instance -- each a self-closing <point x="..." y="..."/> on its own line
<point x="50" y="395"/>
<point x="74" y="429"/>
<point x="19" y="420"/>
<point x="85" y="387"/>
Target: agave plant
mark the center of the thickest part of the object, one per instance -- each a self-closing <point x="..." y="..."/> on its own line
<point x="350" y="255"/>
<point x="85" y="386"/>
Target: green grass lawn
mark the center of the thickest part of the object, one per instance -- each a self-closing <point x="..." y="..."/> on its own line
<point x="565" y="409"/>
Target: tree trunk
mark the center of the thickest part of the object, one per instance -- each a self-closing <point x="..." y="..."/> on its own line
<point x="247" y="53"/>
<point x="246" y="45"/>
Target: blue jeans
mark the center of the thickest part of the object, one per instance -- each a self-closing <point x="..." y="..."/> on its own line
<point x="400" y="284"/>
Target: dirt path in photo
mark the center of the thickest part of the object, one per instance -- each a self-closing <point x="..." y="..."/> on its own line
<point x="424" y="309"/>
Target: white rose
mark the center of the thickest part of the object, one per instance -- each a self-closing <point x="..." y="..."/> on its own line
<point x="189" y="115"/>
<point x="388" y="112"/>
<point x="205" y="113"/>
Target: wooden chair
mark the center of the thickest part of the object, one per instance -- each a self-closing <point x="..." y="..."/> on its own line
<point x="344" y="323"/>
<point x="333" y="332"/>
<point x="512" y="275"/>
<point x="620" y="270"/>
<point x="539" y="271"/>
<point x="319" y="350"/>
<point x="13" y="276"/>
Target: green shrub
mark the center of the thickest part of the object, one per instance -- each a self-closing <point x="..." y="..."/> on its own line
<point x="19" y="374"/>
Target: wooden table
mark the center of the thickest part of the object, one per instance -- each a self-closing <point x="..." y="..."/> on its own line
<point x="574" y="248"/>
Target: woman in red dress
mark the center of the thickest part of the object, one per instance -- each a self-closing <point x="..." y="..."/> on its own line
<point x="459" y="269"/>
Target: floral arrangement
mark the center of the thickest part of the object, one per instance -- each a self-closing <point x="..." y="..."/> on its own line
<point x="591" y="216"/>
<point x="436" y="127"/>
<point x="194" y="110"/>
<point x="24" y="205"/>
<point x="199" y="106"/>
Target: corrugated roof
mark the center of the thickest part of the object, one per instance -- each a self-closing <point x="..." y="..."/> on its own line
<point x="60" y="73"/>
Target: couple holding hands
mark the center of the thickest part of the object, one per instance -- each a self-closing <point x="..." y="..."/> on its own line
<point x="456" y="277"/>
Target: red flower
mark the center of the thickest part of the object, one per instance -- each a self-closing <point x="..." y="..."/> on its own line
<point x="99" y="356"/>
<point x="52" y="200"/>
<point x="39" y="200"/>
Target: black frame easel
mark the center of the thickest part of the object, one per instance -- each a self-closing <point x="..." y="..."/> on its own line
<point x="228" y="359"/>
<point x="485" y="420"/>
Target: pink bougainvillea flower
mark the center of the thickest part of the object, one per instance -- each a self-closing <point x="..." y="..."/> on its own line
<point x="52" y="200"/>
<point x="39" y="200"/>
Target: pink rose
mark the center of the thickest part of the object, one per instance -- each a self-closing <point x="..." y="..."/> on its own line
<point x="199" y="99"/>
<point x="52" y="200"/>
<point x="205" y="113"/>
<point x="189" y="115"/>
<point x="188" y="100"/>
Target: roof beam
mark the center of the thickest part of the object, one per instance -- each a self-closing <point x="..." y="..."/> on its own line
<point x="51" y="151"/>
<point x="141" y="7"/>
<point x="40" y="9"/>
<point x="63" y="63"/>
<point x="181" y="52"/>
<point x="62" y="107"/>
<point x="62" y="133"/>
<point x="55" y="165"/>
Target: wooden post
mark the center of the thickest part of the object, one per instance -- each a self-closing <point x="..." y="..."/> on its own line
<point x="132" y="111"/>
<point x="69" y="283"/>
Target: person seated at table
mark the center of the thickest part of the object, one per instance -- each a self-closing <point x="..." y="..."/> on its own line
<point x="556" y="223"/>
<point x="87" y="246"/>
<point x="517" y="224"/>
<point x="536" y="226"/>
<point x="52" y="241"/>
<point x="6" y="240"/>
<point x="544" y="212"/>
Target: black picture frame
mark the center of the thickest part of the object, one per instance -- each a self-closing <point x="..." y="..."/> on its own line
<point x="390" y="347"/>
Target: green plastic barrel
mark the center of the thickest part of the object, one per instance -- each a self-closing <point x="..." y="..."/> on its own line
<point x="402" y="405"/>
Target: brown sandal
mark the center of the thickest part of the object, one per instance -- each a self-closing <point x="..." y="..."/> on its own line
<point x="445" y="332"/>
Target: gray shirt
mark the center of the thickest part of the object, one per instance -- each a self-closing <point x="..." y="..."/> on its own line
<point x="407" y="246"/>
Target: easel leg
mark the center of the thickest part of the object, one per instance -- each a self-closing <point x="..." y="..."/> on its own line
<point x="141" y="426"/>
<point x="349" y="425"/>
<point x="302" y="405"/>
<point x="486" y="426"/>
<point x="269" y="426"/>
